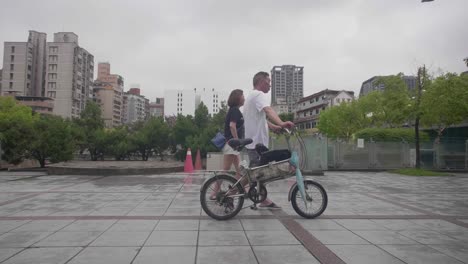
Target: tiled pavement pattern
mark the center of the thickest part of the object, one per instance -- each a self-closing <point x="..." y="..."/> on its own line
<point x="371" y="218"/>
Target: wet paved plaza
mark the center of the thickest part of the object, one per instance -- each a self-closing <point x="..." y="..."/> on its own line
<point x="371" y="218"/>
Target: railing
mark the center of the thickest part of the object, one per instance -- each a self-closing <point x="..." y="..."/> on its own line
<point x="324" y="154"/>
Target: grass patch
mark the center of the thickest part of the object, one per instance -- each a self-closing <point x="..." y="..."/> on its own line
<point x="419" y="172"/>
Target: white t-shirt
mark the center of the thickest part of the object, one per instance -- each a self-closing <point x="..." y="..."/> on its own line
<point x="255" y="122"/>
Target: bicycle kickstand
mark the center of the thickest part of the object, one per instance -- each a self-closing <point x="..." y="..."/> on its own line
<point x="254" y="206"/>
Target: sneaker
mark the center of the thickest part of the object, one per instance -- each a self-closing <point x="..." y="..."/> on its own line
<point x="272" y="206"/>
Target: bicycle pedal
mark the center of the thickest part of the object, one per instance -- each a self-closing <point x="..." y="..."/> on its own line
<point x="253" y="207"/>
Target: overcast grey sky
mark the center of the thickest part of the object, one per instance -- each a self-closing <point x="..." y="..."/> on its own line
<point x="221" y="44"/>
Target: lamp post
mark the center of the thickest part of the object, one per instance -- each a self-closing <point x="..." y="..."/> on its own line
<point x="421" y="82"/>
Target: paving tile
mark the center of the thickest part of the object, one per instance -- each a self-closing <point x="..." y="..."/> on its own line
<point x="172" y="238"/>
<point x="459" y="252"/>
<point x="384" y="237"/>
<point x="183" y="211"/>
<point x="439" y="225"/>
<point x="7" y="225"/>
<point x="8" y="252"/>
<point x="429" y="237"/>
<point x="399" y="224"/>
<point x="121" y="239"/>
<point x="114" y="255"/>
<point x="133" y="225"/>
<point x="43" y="225"/>
<point x="147" y="212"/>
<point x="363" y="254"/>
<point x="89" y="225"/>
<point x="60" y="239"/>
<point x="226" y="255"/>
<point x="283" y="254"/>
<point x="360" y="224"/>
<point x="169" y="255"/>
<point x="181" y="225"/>
<point x="222" y="238"/>
<point x="214" y="225"/>
<point x="338" y="237"/>
<point x="418" y="254"/>
<point x="21" y="239"/>
<point x="262" y="224"/>
<point x="44" y="255"/>
<point x="272" y="237"/>
<point x="319" y="224"/>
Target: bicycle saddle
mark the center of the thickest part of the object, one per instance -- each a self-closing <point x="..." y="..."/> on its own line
<point x="238" y="144"/>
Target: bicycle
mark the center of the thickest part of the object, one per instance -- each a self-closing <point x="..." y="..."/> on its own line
<point x="222" y="196"/>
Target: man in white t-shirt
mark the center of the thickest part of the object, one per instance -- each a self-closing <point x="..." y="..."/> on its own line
<point x="256" y="110"/>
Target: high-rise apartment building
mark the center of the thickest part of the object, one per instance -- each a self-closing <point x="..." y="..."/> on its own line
<point x="108" y="93"/>
<point x="373" y="85"/>
<point x="69" y="74"/>
<point x="287" y="87"/>
<point x="157" y="108"/>
<point x="185" y="102"/>
<point x="136" y="107"/>
<point x="24" y="66"/>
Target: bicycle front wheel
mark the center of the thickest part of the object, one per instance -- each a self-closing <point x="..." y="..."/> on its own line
<point x="221" y="198"/>
<point x="316" y="200"/>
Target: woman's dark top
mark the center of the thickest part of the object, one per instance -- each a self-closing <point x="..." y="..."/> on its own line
<point x="234" y="115"/>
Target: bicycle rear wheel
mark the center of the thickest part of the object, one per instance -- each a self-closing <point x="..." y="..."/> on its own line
<point x="218" y="197"/>
<point x="316" y="200"/>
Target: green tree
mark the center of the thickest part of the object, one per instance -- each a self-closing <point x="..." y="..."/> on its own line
<point x="445" y="102"/>
<point x="118" y="143"/>
<point x="395" y="102"/>
<point x="52" y="139"/>
<point x="16" y="129"/>
<point x="342" y="121"/>
<point x="202" y="117"/>
<point x="91" y="130"/>
<point x="153" y="136"/>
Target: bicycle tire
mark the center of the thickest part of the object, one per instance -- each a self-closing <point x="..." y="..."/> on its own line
<point x="297" y="199"/>
<point x="203" y="197"/>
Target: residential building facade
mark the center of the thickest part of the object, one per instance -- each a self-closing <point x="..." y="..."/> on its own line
<point x="287" y="87"/>
<point x="135" y="106"/>
<point x="38" y="104"/>
<point x="24" y="66"/>
<point x="157" y="108"/>
<point x="373" y="85"/>
<point x="185" y="102"/>
<point x="69" y="75"/>
<point x="308" y="108"/>
<point x="108" y="93"/>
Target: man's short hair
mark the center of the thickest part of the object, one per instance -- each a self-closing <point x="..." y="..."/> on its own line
<point x="259" y="76"/>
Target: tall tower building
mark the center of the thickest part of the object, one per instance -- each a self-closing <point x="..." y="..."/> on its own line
<point x="287" y="87"/>
<point x="24" y="66"/>
<point x="69" y="74"/>
<point x="135" y="106"/>
<point x="108" y="93"/>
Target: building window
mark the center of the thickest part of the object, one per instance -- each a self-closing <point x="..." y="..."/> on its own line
<point x="12" y="67"/>
<point x="52" y="67"/>
<point x="29" y="76"/>
<point x="317" y="111"/>
<point x="11" y="85"/>
<point x="11" y="76"/>
<point x="53" y="58"/>
<point x="12" y="49"/>
<point x="12" y="58"/>
<point x="53" y="49"/>
<point x="52" y="85"/>
<point x="52" y="76"/>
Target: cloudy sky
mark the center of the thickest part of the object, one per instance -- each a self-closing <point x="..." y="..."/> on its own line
<point x="220" y="44"/>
